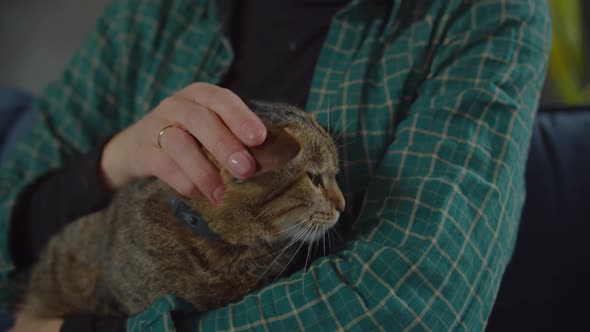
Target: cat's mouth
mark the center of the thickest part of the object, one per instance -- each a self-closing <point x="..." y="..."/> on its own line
<point x="322" y="226"/>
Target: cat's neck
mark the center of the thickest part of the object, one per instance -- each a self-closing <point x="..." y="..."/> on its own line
<point x="251" y="261"/>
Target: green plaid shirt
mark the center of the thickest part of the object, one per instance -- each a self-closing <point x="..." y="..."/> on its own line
<point x="433" y="102"/>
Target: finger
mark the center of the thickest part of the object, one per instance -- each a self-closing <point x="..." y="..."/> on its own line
<point x="240" y="120"/>
<point x="208" y="129"/>
<point x="184" y="150"/>
<point x="166" y="170"/>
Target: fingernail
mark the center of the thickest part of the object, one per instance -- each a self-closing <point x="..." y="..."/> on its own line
<point x="241" y="163"/>
<point x="218" y="193"/>
<point x="254" y="132"/>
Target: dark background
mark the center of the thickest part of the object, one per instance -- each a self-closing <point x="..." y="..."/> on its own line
<point x="37" y="37"/>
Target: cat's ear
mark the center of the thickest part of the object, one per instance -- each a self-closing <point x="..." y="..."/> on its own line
<point x="278" y="149"/>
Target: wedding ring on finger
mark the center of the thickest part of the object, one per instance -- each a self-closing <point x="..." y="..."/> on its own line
<point x="162" y="133"/>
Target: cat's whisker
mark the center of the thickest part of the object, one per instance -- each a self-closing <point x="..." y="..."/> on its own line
<point x="313" y="233"/>
<point x="347" y="125"/>
<point x="316" y="245"/>
<point x="293" y="239"/>
<point x="305" y="265"/>
<point x="340" y="145"/>
<point x="274" y="261"/>
<point x="280" y="252"/>
<point x="336" y="232"/>
<point x="316" y="229"/>
<point x="299" y="235"/>
<point x="340" y="120"/>
<point x="329" y="113"/>
<point x="295" y="225"/>
<point x="351" y="162"/>
<point x="265" y="213"/>
<point x="324" y="241"/>
<point x="343" y="131"/>
<point x="304" y="272"/>
<point x="269" y="213"/>
<point x="295" y="254"/>
<point x="261" y="214"/>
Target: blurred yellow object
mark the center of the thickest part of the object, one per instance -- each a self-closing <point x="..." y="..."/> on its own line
<point x="566" y="62"/>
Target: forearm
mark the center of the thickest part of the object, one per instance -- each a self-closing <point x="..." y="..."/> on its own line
<point x="47" y="205"/>
<point x="54" y="200"/>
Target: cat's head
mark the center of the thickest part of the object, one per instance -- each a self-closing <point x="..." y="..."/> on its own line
<point x="298" y="197"/>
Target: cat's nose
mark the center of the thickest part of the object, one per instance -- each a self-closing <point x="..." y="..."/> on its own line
<point x="334" y="195"/>
<point x="340" y="204"/>
<point x="338" y="200"/>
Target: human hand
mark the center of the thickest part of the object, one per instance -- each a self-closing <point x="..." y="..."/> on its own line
<point x="211" y="115"/>
<point x="26" y="323"/>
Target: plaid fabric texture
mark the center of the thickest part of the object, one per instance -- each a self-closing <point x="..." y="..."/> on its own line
<point x="432" y="102"/>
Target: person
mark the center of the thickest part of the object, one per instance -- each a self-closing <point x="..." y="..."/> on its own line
<point x="432" y="102"/>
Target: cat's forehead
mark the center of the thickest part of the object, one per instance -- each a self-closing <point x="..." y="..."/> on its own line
<point x="321" y="163"/>
<point x="319" y="149"/>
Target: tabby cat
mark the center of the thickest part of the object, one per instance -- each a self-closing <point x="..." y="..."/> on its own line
<point x="119" y="260"/>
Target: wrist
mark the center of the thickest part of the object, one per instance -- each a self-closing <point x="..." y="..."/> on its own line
<point x="111" y="169"/>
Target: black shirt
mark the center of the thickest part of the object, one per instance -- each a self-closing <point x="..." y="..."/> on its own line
<point x="282" y="72"/>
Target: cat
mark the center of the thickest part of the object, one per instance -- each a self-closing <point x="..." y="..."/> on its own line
<point x="117" y="261"/>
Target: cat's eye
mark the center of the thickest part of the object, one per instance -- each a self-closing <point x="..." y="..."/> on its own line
<point x="316" y="179"/>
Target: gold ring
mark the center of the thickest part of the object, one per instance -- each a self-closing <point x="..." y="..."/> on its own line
<point x="162" y="133"/>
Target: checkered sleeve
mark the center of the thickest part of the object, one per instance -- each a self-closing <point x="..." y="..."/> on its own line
<point x="74" y="113"/>
<point x="440" y="216"/>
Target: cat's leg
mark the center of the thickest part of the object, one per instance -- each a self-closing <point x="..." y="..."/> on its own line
<point x="61" y="283"/>
<point x="67" y="278"/>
